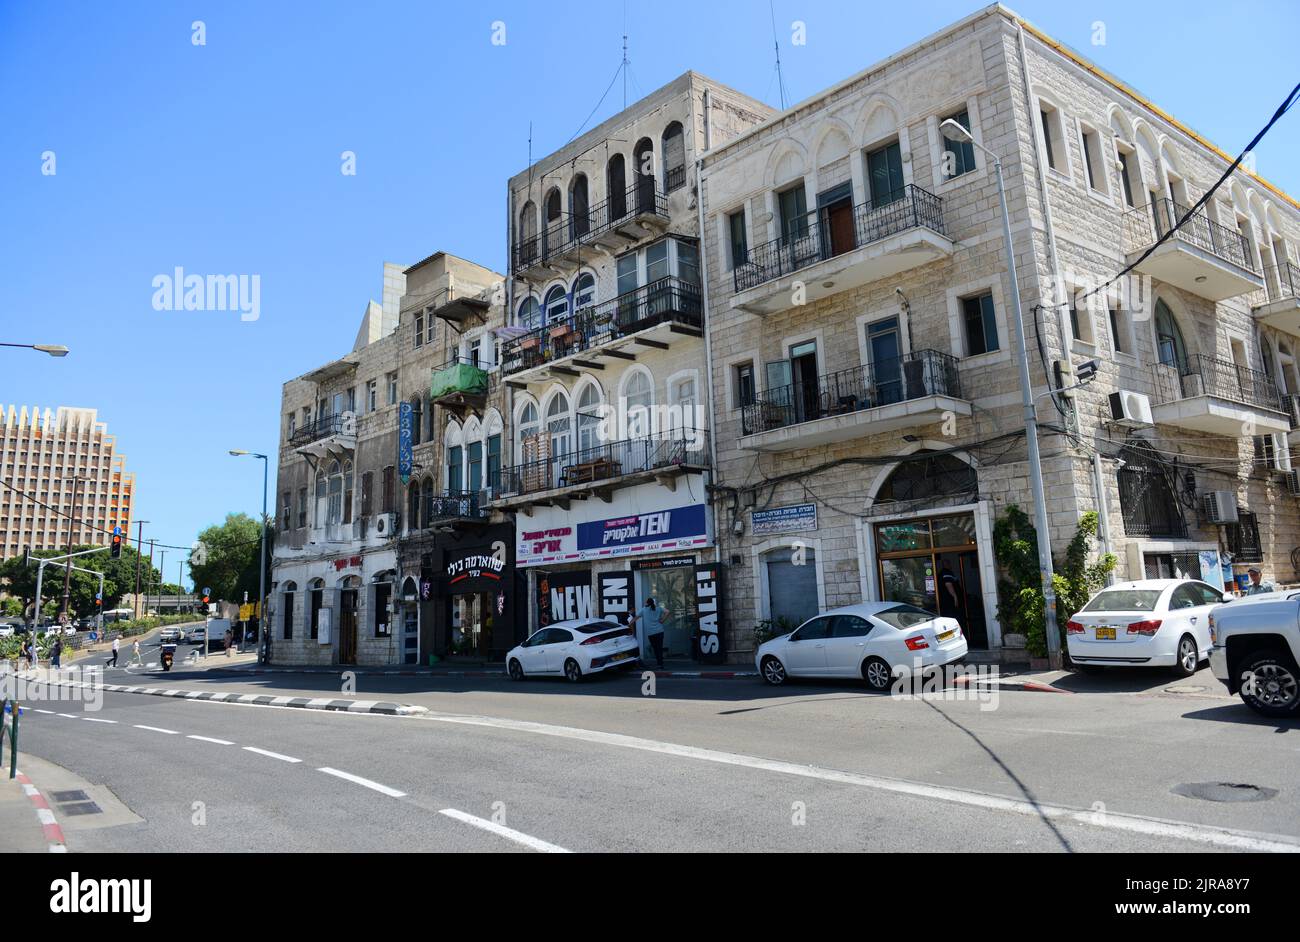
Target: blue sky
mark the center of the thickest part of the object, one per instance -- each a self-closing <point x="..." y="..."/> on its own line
<point x="225" y="159"/>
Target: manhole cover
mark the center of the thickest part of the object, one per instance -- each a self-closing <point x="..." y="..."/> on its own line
<point x="1224" y="791"/>
<point x="77" y="795"/>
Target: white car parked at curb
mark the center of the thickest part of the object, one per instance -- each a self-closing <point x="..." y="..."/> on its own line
<point x="873" y="641"/>
<point x="574" y="649"/>
<point x="1147" y="623"/>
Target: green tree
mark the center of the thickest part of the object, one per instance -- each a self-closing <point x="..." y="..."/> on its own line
<point x="1021" y="607"/>
<point x="230" y="558"/>
<point x="119" y="579"/>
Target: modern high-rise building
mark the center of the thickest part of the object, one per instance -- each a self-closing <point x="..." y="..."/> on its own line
<point x="43" y="456"/>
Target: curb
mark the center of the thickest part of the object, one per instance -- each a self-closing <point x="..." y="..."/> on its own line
<point x="384" y="707"/>
<point x="53" y="832"/>
<point x="1032" y="686"/>
<point x="235" y="672"/>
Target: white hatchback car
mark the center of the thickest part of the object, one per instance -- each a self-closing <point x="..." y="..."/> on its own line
<point x="1148" y="623"/>
<point x="872" y="641"/>
<point x="574" y="648"/>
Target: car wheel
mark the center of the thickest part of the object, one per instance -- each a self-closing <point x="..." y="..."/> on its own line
<point x="516" y="669"/>
<point x="773" y="671"/>
<point x="1187" y="658"/>
<point x="877" y="673"/>
<point x="1270" y="684"/>
<point x="572" y="672"/>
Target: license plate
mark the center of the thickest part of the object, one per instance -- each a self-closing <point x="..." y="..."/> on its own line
<point x="1106" y="634"/>
<point x="622" y="656"/>
<point x="947" y="634"/>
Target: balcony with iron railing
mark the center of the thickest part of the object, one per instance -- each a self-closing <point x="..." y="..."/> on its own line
<point x="1200" y="256"/>
<point x="1208" y="394"/>
<point x="449" y="507"/>
<point x="837" y="249"/>
<point x="325" y="434"/>
<point x="1277" y="304"/>
<point x="604" y="465"/>
<point x="460" y="384"/>
<point x="650" y="316"/>
<point x="908" y="391"/>
<point x="610" y="225"/>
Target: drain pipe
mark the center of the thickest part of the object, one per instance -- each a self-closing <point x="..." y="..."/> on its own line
<point x="708" y="346"/>
<point x="1103" y="511"/>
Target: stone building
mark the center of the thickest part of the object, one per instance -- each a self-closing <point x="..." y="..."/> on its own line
<point x="868" y="421"/>
<point x="606" y="371"/>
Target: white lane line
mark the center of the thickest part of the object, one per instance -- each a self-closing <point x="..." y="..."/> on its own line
<point x="49" y="712"/>
<point x="510" y="834"/>
<point x="271" y="755"/>
<point x="70" y="716"/>
<point x="367" y="783"/>
<point x="219" y="742"/>
<point x="1109" y="820"/>
<point x="157" y="729"/>
<point x="96" y="719"/>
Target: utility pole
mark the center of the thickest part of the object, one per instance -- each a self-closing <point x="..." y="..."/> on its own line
<point x="67" y="570"/>
<point x="162" y="569"/>
<point x="139" y="539"/>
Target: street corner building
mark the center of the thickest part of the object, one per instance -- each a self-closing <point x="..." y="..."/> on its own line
<point x="756" y="365"/>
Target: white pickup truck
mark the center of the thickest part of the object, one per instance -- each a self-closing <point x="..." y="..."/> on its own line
<point x="1255" y="651"/>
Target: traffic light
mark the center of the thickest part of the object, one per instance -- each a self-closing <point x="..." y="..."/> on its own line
<point x="116" y="546"/>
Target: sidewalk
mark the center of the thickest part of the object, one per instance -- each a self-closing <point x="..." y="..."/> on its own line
<point x="673" y="667"/>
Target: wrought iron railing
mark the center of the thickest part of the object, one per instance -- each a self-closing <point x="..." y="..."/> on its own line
<point x="1148" y="505"/>
<point x="813" y="238"/>
<point x="1281" y="282"/>
<point x="1209" y="376"/>
<point x="345" y="423"/>
<point x="451" y="505"/>
<point x="1144" y="225"/>
<point x="641" y="198"/>
<point x="884" y="382"/>
<point x="674" y="178"/>
<point x="681" y="447"/>
<point x="668" y="300"/>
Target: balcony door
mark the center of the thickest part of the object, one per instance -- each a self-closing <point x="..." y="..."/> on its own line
<point x="792" y="385"/>
<point x="835" y="216"/>
<point x="884" y="347"/>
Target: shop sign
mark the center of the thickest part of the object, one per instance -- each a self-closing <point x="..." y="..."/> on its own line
<point x="784" y="519"/>
<point x="708" y="603"/>
<point x="405" y="441"/>
<point x="346" y="562"/>
<point x="666" y="562"/>
<point x="615" y="595"/>
<point x="476" y="565"/>
<point x="562" y="596"/>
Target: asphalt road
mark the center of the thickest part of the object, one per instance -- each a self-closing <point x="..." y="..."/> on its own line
<point x="701" y="765"/>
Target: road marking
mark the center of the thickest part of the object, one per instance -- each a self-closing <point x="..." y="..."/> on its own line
<point x="50" y="712"/>
<point x="1110" y="820"/>
<point x="510" y="834"/>
<point x="70" y="716"/>
<point x="96" y="719"/>
<point x="219" y="742"/>
<point x="158" y="729"/>
<point x="367" y="783"/>
<point x="271" y="755"/>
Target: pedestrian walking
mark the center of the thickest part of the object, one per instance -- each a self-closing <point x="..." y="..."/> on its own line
<point x="112" y="662"/>
<point x="227" y="640"/>
<point x="56" y="653"/>
<point x="135" y="654"/>
<point x="33" y="655"/>
<point x="652" y="621"/>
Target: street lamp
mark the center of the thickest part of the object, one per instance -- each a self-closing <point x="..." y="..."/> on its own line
<point x="53" y="349"/>
<point x="265" y="657"/>
<point x="954" y="131"/>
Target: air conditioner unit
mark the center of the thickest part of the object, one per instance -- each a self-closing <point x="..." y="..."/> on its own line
<point x="1220" y="506"/>
<point x="1129" y="408"/>
<point x="385" y="525"/>
<point x="1293" y="483"/>
<point x="1291" y="406"/>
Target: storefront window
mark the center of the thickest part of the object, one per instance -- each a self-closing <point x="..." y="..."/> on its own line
<point x="894" y="537"/>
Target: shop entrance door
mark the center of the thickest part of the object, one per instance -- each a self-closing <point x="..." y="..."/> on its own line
<point x="673" y="590"/>
<point x="348" y="626"/>
<point x="933" y="563"/>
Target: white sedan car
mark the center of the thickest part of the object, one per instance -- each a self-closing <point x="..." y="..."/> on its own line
<point x="872" y="641"/>
<point x="1148" y="623"/>
<point x="574" y="648"/>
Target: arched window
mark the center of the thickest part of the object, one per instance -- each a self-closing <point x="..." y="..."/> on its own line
<point x="927" y="477"/>
<point x="584" y="291"/>
<point x="530" y="314"/>
<point x="557" y="305"/>
<point x="557" y="424"/>
<point x="426" y="494"/>
<point x="674" y="151"/>
<point x="616" y="185"/>
<point x="334" y="513"/>
<point x="588" y="418"/>
<point x="321" y="498"/>
<point x="347" y="492"/>
<point x="413" y="506"/>
<point x="527" y="250"/>
<point x="683" y="400"/>
<point x="638" y="400"/>
<point x="643" y="169"/>
<point x="286" y="609"/>
<point x="526" y="431"/>
<point x="1169" y="339"/>
<point x="417" y="419"/>
<point x="579" y="223"/>
<point x="551" y="235"/>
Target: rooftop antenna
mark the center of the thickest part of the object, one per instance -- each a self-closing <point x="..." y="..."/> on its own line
<point x="776" y="45"/>
<point x="624" y="65"/>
